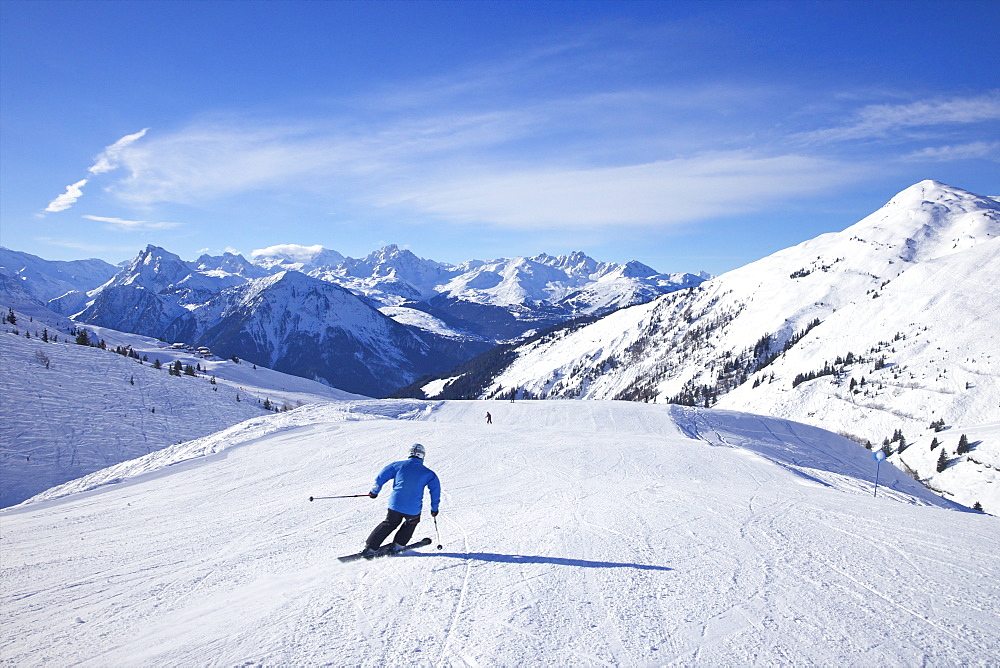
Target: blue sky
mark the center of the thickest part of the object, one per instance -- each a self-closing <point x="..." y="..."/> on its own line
<point x="688" y="135"/>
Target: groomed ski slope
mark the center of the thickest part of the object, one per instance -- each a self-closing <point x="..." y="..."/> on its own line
<point x="574" y="533"/>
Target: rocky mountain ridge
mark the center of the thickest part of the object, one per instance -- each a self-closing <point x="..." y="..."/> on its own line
<point x="397" y="316"/>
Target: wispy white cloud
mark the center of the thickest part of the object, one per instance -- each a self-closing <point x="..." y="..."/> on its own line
<point x="587" y="159"/>
<point x="661" y="193"/>
<point x="207" y="161"/>
<point x="474" y="168"/>
<point x="971" y="151"/>
<point x="295" y="252"/>
<point x="74" y="191"/>
<point x="132" y="225"/>
<point x="216" y="159"/>
<point x="590" y="145"/>
<point x="880" y="120"/>
<point x="108" y="159"/>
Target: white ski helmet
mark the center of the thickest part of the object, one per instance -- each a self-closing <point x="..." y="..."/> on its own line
<point x="417" y="451"/>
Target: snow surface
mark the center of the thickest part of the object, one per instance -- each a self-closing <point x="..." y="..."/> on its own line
<point x="90" y="408"/>
<point x="259" y="381"/>
<point x="437" y="386"/>
<point x="913" y="287"/>
<point x="50" y="279"/>
<point x="421" y="320"/>
<point x="937" y="335"/>
<point x="573" y="533"/>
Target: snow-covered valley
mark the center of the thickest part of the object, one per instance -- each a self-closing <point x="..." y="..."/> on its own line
<point x="573" y="533"/>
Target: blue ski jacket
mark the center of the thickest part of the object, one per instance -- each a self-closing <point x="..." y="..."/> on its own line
<point x="409" y="476"/>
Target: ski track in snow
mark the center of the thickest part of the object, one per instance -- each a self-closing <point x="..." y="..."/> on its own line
<point x="574" y="533"/>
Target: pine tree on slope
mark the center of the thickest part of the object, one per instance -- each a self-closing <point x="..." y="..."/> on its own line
<point x="942" y="463"/>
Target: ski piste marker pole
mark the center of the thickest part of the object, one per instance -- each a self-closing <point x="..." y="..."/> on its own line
<point x="346" y="496"/>
<point x="879" y="455"/>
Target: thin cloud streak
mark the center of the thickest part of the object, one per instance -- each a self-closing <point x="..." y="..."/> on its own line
<point x="662" y="194"/>
<point x="880" y="120"/>
<point x="971" y="151"/>
<point x="108" y="160"/>
<point x="213" y="160"/>
<point x="425" y="167"/>
<point x="206" y="162"/>
<point x="132" y="225"/>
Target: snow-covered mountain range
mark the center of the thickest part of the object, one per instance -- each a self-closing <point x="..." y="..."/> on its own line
<point x="368" y="326"/>
<point x="45" y="280"/>
<point x="885" y="326"/>
<point x="495" y="301"/>
<point x="171" y="519"/>
<point x="880" y="332"/>
<point x="574" y="284"/>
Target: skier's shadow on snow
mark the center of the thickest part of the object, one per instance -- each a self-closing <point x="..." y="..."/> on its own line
<point x="525" y="559"/>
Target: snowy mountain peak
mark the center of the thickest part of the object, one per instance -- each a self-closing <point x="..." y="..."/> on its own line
<point x="285" y="287"/>
<point x="155" y="268"/>
<point x="162" y="273"/>
<point x="925" y="221"/>
<point x="636" y="269"/>
<point x="153" y="252"/>
<point x="387" y="251"/>
<point x="292" y="292"/>
<point x="392" y="260"/>
<point x="931" y="191"/>
<point x="291" y="279"/>
<point x="882" y="326"/>
<point x="577" y="264"/>
<point x="228" y="264"/>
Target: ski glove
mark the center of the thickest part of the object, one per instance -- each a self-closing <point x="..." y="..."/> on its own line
<point x="434" y="513"/>
<point x="374" y="495"/>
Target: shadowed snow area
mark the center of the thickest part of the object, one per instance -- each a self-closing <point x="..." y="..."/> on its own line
<point x="573" y="533"/>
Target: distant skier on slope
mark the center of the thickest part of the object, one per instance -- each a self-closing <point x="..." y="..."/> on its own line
<point x="409" y="477"/>
<point x="489" y="418"/>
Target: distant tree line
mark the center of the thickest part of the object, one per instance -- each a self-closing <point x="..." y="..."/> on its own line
<point x="473" y="377"/>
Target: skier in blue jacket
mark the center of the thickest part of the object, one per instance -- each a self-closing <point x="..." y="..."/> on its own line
<point x="409" y="477"/>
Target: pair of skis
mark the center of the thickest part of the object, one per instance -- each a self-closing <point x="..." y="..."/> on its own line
<point x="384" y="551"/>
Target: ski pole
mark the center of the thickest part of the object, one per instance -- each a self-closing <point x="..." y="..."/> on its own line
<point x="440" y="546"/>
<point x="346" y="496"/>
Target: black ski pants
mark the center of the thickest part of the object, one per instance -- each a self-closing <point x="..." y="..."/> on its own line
<point x="391" y="521"/>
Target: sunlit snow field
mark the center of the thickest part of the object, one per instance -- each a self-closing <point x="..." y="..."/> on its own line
<point x="573" y="533"/>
